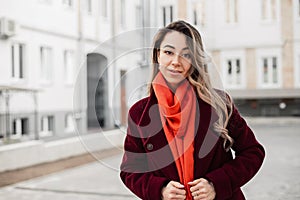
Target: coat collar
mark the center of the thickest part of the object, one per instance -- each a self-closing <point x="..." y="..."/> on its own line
<point x="208" y="113"/>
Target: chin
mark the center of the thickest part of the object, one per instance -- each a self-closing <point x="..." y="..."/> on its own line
<point x="174" y="83"/>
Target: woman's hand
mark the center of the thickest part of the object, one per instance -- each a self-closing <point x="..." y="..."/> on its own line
<point x="173" y="190"/>
<point x="202" y="189"/>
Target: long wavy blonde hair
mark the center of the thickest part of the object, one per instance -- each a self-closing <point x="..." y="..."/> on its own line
<point x="198" y="76"/>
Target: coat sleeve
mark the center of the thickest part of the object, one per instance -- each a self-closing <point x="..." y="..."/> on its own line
<point x="134" y="169"/>
<point x="249" y="156"/>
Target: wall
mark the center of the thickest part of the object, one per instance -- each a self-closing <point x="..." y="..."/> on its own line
<point x="30" y="153"/>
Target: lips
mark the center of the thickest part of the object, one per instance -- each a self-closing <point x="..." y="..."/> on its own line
<point x="174" y="71"/>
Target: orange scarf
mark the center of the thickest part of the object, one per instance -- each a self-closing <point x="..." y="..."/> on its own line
<point x="178" y="114"/>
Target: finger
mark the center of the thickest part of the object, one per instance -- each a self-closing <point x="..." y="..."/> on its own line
<point x="199" y="186"/>
<point x="175" y="196"/>
<point x="177" y="184"/>
<point x="194" y="188"/>
<point x="201" y="197"/>
<point x="197" y="195"/>
<point x="180" y="196"/>
<point x="201" y="191"/>
<point x="203" y="180"/>
<point x="194" y="182"/>
<point x="178" y="191"/>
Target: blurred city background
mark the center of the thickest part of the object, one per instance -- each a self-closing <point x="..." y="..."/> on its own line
<point x="71" y="69"/>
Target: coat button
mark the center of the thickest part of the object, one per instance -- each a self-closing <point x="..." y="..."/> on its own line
<point x="150" y="146"/>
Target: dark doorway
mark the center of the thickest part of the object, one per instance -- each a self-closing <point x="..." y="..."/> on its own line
<point x="97" y="91"/>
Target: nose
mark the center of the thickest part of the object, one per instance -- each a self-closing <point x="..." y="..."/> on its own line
<point x="176" y="60"/>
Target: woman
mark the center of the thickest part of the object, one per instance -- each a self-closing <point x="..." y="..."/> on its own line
<point x="179" y="138"/>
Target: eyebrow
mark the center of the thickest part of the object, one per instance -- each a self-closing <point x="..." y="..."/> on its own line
<point x="170" y="46"/>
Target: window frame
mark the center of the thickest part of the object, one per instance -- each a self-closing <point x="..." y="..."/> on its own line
<point x="298" y="9"/>
<point x="231" y="12"/>
<point x="18" y="126"/>
<point x="167" y="13"/>
<point x="233" y="56"/>
<point x="69" y="123"/>
<point x="198" y="7"/>
<point x="88" y="7"/>
<point x="69" y="66"/>
<point x="234" y="76"/>
<point x="68" y="4"/>
<point x="271" y="10"/>
<point x="138" y="16"/>
<point x="18" y="69"/>
<point x="47" y="126"/>
<point x="123" y="13"/>
<point x="104" y="8"/>
<point x="269" y="53"/>
<point x="46" y="71"/>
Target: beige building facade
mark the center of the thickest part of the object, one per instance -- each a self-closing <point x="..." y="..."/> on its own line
<point x="255" y="47"/>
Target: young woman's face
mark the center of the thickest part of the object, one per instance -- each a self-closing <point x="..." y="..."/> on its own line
<point x="174" y="58"/>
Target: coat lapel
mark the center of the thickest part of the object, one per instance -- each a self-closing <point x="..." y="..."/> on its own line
<point x="156" y="145"/>
<point x="159" y="154"/>
<point x="205" y="138"/>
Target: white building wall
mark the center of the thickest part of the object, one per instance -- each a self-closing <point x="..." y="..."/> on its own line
<point x="249" y="31"/>
<point x="296" y="16"/>
<point x="55" y="26"/>
<point x="53" y="17"/>
<point x="5" y="62"/>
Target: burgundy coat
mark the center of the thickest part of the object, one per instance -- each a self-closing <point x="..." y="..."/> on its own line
<point x="148" y="164"/>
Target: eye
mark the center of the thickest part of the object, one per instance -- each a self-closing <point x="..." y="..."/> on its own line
<point x="168" y="52"/>
<point x="187" y="56"/>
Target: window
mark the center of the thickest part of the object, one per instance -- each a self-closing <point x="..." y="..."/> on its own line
<point x="138" y="16"/>
<point x="270" y="72"/>
<point x="167" y="12"/>
<point x="46" y="64"/>
<point x="233" y="73"/>
<point x="17" y="59"/>
<point x="123" y="13"/>
<point x="231" y="11"/>
<point x="68" y="3"/>
<point x="104" y="8"/>
<point x="268" y="10"/>
<point x="69" y="123"/>
<point x="47" y="126"/>
<point x="298" y="8"/>
<point x="69" y="67"/>
<point x="88" y="6"/>
<point x="20" y="128"/>
<point x="199" y="13"/>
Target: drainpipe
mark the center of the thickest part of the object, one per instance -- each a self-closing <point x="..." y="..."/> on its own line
<point x="78" y="107"/>
<point x="7" y="117"/>
<point x="36" y="129"/>
<point x="111" y="72"/>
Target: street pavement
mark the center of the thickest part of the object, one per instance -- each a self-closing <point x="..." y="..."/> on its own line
<point x="278" y="179"/>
